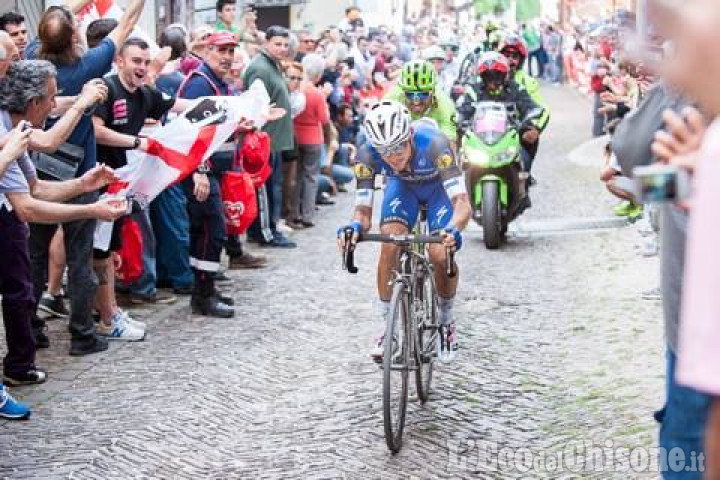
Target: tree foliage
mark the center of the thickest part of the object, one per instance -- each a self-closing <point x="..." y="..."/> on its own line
<point x="526" y="9"/>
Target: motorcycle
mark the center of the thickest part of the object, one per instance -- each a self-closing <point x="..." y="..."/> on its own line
<point x="491" y="156"/>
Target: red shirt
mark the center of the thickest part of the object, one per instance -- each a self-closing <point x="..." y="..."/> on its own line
<point x="309" y="124"/>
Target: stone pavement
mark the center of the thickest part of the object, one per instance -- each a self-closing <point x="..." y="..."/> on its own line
<point x="557" y="350"/>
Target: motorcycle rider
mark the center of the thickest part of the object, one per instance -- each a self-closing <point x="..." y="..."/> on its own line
<point x="516" y="52"/>
<point x="496" y="86"/>
<point x="418" y="91"/>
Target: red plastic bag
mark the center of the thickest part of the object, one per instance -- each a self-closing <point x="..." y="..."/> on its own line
<point x="131" y="252"/>
<point x="239" y="201"/>
<point x="255" y="155"/>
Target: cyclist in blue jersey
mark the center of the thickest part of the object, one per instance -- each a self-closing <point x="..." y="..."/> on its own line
<point x="421" y="169"/>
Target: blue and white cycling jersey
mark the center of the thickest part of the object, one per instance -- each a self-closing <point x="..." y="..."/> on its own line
<point x="432" y="178"/>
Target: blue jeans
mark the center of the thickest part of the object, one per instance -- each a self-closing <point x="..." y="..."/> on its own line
<point x="324" y="185"/>
<point x="172" y="232"/>
<point x="342" y="174"/>
<point x="682" y="430"/>
<point x="275" y="193"/>
<point x="274" y="187"/>
<point x="146" y="284"/>
<point x="552" y="72"/>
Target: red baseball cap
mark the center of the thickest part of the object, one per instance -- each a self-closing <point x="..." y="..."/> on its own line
<point x="220" y="39"/>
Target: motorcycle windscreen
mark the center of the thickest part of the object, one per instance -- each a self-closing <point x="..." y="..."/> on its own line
<point x="490" y="125"/>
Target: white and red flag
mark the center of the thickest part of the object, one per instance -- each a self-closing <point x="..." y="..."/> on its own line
<point x="178" y="148"/>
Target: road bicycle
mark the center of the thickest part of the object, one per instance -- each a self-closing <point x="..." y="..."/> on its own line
<point x="412" y="335"/>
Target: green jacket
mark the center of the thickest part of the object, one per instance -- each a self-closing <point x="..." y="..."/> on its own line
<point x="532" y="40"/>
<point x="267" y="70"/>
<point x="443" y="110"/>
<point x="532" y="87"/>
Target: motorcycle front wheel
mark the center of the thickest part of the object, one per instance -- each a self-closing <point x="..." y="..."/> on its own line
<point x="491" y="215"/>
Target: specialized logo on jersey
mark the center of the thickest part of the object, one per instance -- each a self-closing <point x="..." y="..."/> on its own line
<point x="120" y="112"/>
<point x="441" y="213"/>
<point x="445" y="161"/>
<point x="395" y="204"/>
<point x="363" y="172"/>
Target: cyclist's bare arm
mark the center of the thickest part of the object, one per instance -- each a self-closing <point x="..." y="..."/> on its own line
<point x="363" y="215"/>
<point x="461" y="211"/>
<point x="451" y="177"/>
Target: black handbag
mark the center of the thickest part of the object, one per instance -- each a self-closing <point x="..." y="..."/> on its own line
<point x="63" y="164"/>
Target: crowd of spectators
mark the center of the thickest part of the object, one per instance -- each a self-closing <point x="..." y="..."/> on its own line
<point x="85" y="98"/>
<point x="82" y="96"/>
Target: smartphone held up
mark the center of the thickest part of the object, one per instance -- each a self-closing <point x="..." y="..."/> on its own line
<point x="661" y="183"/>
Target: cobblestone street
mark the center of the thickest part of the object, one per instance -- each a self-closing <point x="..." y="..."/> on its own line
<point x="557" y="348"/>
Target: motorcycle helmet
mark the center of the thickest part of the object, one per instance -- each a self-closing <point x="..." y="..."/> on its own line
<point x="418" y="76"/>
<point x="493" y="67"/>
<point x="387" y="124"/>
<point x="513" y="44"/>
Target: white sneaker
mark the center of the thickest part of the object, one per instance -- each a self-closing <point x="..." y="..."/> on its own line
<point x="120" y="329"/>
<point x="650" y="247"/>
<point x="652" y="294"/>
<point x="132" y="321"/>
<point x="283" y="227"/>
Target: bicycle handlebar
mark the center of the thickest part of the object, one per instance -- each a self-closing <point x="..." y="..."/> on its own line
<point x="400" y="240"/>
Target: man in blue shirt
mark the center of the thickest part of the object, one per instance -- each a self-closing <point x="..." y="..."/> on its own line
<point x="59" y="43"/>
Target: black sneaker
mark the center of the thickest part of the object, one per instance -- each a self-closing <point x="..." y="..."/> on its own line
<point x="94" y="345"/>
<point x="54" y="305"/>
<point x="31" y="377"/>
<point x="211" y="307"/>
<point x="224" y="298"/>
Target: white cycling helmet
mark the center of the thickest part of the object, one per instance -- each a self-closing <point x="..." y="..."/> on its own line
<point x="387" y="123"/>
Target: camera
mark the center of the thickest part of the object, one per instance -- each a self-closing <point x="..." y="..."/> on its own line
<point x="657" y="184"/>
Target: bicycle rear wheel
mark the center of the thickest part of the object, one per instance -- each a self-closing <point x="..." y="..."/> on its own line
<point x="396" y="363"/>
<point x="425" y="297"/>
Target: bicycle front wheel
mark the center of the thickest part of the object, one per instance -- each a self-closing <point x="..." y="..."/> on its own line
<point x="396" y="363"/>
<point x="427" y="333"/>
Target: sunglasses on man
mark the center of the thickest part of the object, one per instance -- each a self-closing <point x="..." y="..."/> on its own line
<point x="391" y="150"/>
<point x="417" y="97"/>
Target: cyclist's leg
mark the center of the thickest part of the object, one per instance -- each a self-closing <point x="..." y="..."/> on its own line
<point x="399" y="213"/>
<point x="440" y="211"/>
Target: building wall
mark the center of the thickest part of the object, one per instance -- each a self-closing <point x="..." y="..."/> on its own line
<point x="30" y="9"/>
<point x="317" y="15"/>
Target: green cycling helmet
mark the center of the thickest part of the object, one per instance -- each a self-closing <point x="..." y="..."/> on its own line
<point x="418" y="76"/>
